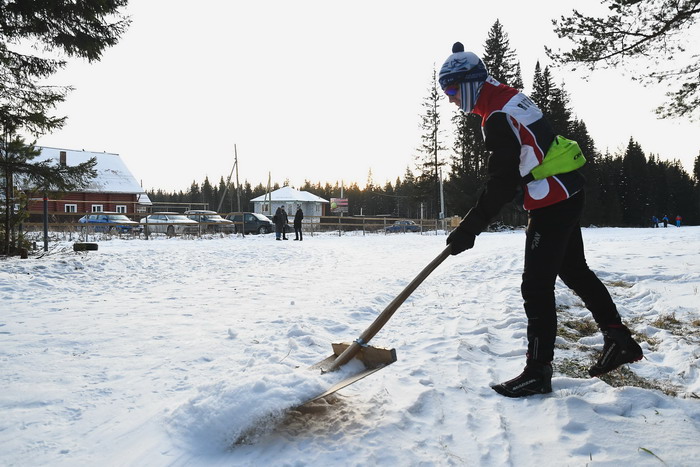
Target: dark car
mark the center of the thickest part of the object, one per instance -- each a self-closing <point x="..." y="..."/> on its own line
<point x="251" y="222"/>
<point x="254" y="223"/>
<point x="211" y="221"/>
<point x="113" y="222"/>
<point x="403" y="226"/>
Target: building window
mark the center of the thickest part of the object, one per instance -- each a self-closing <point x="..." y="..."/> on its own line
<point x="97" y="208"/>
<point x="71" y="208"/>
<point x="121" y="209"/>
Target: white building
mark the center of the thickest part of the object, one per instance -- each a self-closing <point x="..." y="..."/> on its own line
<point x="291" y="199"/>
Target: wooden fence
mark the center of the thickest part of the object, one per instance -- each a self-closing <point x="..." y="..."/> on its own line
<point x="66" y="225"/>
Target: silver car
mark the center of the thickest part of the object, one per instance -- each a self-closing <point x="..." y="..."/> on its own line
<point x="211" y="221"/>
<point x="169" y="223"/>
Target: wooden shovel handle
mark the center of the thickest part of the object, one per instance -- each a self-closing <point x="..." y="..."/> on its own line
<point x="385" y="315"/>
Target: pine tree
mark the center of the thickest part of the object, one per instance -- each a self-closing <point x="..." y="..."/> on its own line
<point x="468" y="163"/>
<point x="194" y="194"/>
<point x="430" y="159"/>
<point x="541" y="84"/>
<point x="594" y="207"/>
<point x="469" y="154"/>
<point x="73" y="29"/>
<point x="408" y="192"/>
<point x="649" y="32"/>
<point x="207" y="193"/>
<point x="609" y="176"/>
<point x="553" y="101"/>
<point x="634" y="189"/>
<point x="500" y="59"/>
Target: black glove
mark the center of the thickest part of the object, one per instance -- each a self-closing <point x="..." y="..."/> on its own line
<point x="460" y="240"/>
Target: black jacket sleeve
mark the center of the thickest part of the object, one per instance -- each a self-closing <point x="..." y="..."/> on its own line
<point x="503" y="173"/>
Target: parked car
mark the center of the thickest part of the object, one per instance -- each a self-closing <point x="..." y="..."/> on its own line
<point x="251" y="222"/>
<point x="113" y="222"/>
<point x="211" y="221"/>
<point x="403" y="226"/>
<point x="169" y="223"/>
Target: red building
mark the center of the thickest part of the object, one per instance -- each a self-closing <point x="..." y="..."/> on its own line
<point x="113" y="189"/>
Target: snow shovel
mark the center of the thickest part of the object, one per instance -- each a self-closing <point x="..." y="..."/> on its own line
<point x="372" y="358"/>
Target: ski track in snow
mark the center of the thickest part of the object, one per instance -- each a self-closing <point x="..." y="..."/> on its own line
<point x="165" y="352"/>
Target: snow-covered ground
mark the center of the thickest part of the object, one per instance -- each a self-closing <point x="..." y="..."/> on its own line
<point x="165" y="352"/>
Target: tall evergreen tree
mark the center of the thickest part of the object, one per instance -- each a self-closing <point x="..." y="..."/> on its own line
<point x="430" y="159"/>
<point x="541" y="87"/>
<point x="207" y="194"/>
<point x="468" y="163"/>
<point x="609" y="177"/>
<point x="63" y="29"/>
<point x="553" y="101"/>
<point x="500" y="58"/>
<point x="594" y="207"/>
<point x="469" y="154"/>
<point x="634" y="188"/>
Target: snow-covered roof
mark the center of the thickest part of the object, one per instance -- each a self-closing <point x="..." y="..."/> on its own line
<point x="112" y="174"/>
<point x="288" y="193"/>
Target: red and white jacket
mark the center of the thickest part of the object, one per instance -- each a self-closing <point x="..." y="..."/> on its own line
<point x="518" y="136"/>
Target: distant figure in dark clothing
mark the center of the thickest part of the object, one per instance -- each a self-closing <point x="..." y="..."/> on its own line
<point x="280" y="219"/>
<point x="654" y="221"/>
<point x="665" y="220"/>
<point x="298" y="216"/>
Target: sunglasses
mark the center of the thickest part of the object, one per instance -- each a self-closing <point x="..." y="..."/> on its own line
<point x="451" y="90"/>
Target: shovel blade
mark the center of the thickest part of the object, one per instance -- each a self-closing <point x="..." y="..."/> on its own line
<point x="372" y="358"/>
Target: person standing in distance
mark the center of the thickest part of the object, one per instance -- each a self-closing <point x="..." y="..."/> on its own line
<point x="518" y="138"/>
<point x="298" y="216"/>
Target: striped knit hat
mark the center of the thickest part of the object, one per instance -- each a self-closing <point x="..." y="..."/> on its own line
<point x="467" y="70"/>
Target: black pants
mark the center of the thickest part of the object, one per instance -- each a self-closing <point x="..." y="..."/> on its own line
<point x="297" y="233"/>
<point x="554" y="247"/>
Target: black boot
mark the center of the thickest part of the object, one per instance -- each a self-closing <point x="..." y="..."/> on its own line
<point x="536" y="378"/>
<point x="619" y="348"/>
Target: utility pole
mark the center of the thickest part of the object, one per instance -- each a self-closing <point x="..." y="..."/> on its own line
<point x="238" y="185"/>
<point x="442" y="202"/>
<point x="228" y="182"/>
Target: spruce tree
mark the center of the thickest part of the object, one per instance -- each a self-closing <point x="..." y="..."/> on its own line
<point x="634" y="188"/>
<point x="609" y="179"/>
<point x="500" y="59"/>
<point x="594" y="207"/>
<point x="469" y="154"/>
<point x="430" y="158"/>
<point x="468" y="163"/>
<point x="207" y="194"/>
<point x="56" y="29"/>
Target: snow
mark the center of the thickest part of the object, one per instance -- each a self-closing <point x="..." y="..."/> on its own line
<point x="287" y="193"/>
<point x="112" y="173"/>
<point x="168" y="351"/>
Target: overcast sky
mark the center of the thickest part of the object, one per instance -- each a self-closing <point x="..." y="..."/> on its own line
<point x="316" y="90"/>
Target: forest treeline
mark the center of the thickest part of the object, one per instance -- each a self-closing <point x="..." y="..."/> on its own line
<point x="623" y="189"/>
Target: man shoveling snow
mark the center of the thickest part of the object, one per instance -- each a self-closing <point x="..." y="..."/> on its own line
<point x="527" y="155"/>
